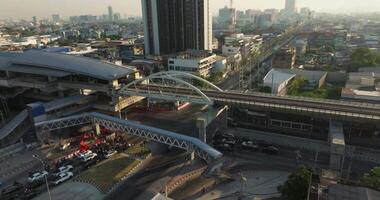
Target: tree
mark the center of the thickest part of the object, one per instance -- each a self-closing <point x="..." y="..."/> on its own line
<point x="266" y="89"/>
<point x="363" y="57"/>
<point x="297" y="185"/>
<point x="296" y="85"/>
<point x="371" y="179"/>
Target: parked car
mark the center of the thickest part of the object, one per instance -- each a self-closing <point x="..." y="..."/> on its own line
<point x="110" y="153"/>
<point x="37" y="176"/>
<point x="65" y="146"/>
<point x="62" y="177"/>
<point x="264" y="143"/>
<point x="89" y="163"/>
<point x="62" y="169"/>
<point x="84" y="154"/>
<point x="249" y="145"/>
<point x="270" y="150"/>
<point x="225" y="147"/>
<point x="13" y="189"/>
<point x="88" y="157"/>
<point x="228" y="141"/>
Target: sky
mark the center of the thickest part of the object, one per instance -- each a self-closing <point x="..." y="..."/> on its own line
<point x="25" y="9"/>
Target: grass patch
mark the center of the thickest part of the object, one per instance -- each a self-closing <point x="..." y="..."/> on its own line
<point x="321" y="93"/>
<point x="192" y="187"/>
<point x="139" y="150"/>
<point x="109" y="172"/>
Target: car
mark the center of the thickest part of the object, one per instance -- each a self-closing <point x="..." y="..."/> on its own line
<point x="228" y="141"/>
<point x="62" y="177"/>
<point x="84" y="154"/>
<point x="13" y="189"/>
<point x="65" y="168"/>
<point x="270" y="150"/>
<point x="110" y="153"/>
<point x="225" y="147"/>
<point x="89" y="157"/>
<point x="89" y="163"/>
<point x="65" y="146"/>
<point x="264" y="143"/>
<point x="37" y="176"/>
<point x="249" y="145"/>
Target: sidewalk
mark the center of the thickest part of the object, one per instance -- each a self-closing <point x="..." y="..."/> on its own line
<point x="258" y="185"/>
<point x="73" y="191"/>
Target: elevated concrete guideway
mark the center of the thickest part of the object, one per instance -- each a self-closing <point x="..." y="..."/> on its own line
<point x="341" y="110"/>
<point x="190" y="144"/>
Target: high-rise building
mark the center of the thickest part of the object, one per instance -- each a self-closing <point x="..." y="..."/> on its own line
<point x="34" y="20"/>
<point x="56" y="18"/>
<point x="110" y="13"/>
<point x="227" y="17"/>
<point x="172" y="26"/>
<point x="290" y="6"/>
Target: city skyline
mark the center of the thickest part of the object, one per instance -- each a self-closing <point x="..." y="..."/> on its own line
<point x="20" y="9"/>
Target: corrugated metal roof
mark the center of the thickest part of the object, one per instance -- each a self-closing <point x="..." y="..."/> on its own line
<point x="60" y="103"/>
<point x="65" y="63"/>
<point x="35" y="70"/>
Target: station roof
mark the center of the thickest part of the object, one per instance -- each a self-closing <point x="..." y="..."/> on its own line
<point x="58" y="65"/>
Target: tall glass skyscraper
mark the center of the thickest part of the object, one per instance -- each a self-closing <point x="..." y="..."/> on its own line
<point x="172" y="26"/>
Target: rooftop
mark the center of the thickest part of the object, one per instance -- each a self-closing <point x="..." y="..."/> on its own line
<point x="193" y="54"/>
<point x="58" y="65"/>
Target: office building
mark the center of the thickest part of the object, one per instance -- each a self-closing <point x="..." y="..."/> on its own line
<point x="34" y="20"/>
<point x="175" y="26"/>
<point x="56" y="18"/>
<point x="110" y="13"/>
<point x="290" y="6"/>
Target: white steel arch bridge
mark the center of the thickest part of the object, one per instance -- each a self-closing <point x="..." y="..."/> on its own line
<point x="175" y="80"/>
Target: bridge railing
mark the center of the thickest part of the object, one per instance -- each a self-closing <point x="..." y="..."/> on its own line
<point x="310" y="99"/>
<point x="298" y="108"/>
<point x="15" y="129"/>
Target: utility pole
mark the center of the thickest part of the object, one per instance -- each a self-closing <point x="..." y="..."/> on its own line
<point x="46" y="181"/>
<point x="350" y="154"/>
<point x="316" y="160"/>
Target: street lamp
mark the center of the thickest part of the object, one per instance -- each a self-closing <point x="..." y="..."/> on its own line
<point x="243" y="180"/>
<point x="43" y="167"/>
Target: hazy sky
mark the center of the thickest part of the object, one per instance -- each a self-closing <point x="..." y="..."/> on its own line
<point x="16" y="9"/>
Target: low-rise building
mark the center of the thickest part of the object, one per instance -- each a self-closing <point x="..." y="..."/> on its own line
<point x="285" y="58"/>
<point x="278" y="81"/>
<point x="193" y="61"/>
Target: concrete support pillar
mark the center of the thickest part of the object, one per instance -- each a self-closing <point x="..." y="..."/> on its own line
<point x="202" y="129"/>
<point x="337" y="146"/>
<point x="97" y="129"/>
<point x="192" y="156"/>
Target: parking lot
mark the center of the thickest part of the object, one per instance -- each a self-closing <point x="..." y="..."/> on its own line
<point x="79" y="159"/>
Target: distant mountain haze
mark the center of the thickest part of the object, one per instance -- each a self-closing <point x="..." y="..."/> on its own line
<point x="25" y="9"/>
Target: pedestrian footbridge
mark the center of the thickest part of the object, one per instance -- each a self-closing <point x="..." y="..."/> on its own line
<point x="189" y="144"/>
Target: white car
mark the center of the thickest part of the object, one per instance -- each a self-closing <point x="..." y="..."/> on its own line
<point x="62" y="169"/>
<point x="84" y="154"/>
<point x="110" y="153"/>
<point x="37" y="176"/>
<point x="62" y="177"/>
<point x="89" y="157"/>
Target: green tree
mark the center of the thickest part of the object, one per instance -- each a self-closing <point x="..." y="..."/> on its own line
<point x="266" y="89"/>
<point x="372" y="178"/>
<point x="296" y="85"/>
<point x="297" y="185"/>
<point x="363" y="57"/>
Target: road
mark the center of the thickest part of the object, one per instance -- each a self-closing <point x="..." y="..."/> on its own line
<point x="151" y="180"/>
